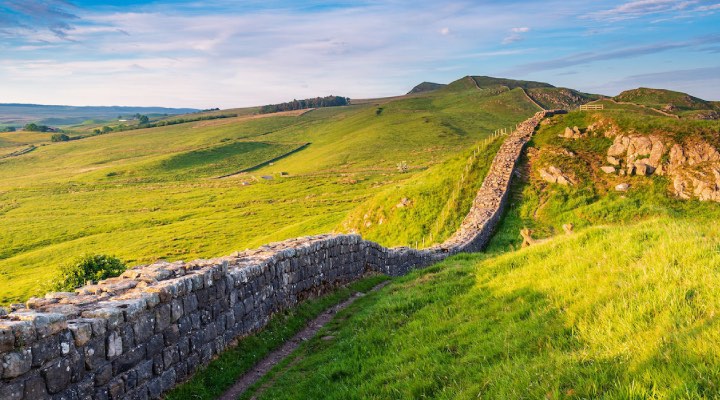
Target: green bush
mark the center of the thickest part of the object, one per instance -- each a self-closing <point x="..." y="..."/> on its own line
<point x="94" y="267"/>
<point x="59" y="137"/>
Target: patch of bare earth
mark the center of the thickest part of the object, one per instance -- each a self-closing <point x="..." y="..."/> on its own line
<point x="277" y="356"/>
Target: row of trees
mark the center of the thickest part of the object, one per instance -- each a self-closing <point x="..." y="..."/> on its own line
<point x="145" y="124"/>
<point x="7" y="129"/>
<point x="33" y="127"/>
<point x="328" y="101"/>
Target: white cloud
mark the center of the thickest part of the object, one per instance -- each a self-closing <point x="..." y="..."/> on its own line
<point x="641" y="8"/>
<point x="248" y="58"/>
<point x="515" y="35"/>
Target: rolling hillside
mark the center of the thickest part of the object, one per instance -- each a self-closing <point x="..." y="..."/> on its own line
<point x="151" y="194"/>
<point x="622" y="307"/>
<point x="20" y="114"/>
<point x="677" y="103"/>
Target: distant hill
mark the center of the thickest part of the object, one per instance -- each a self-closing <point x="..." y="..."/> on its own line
<point x="426" y="87"/>
<point x="544" y="95"/>
<point x="20" y="114"/>
<point x="555" y="97"/>
<point x="483" y="81"/>
<point x="669" y="101"/>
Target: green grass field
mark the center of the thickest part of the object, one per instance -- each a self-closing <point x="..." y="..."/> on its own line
<point x="150" y="194"/>
<point x="611" y="312"/>
<point x="624" y="308"/>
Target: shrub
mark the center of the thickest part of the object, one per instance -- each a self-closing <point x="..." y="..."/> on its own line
<point x="93" y="267"/>
<point x="59" y="137"/>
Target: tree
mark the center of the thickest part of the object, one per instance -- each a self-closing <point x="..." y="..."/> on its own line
<point x="88" y="268"/>
<point x="33" y="127"/>
<point x="106" y="129"/>
<point x="144" y="119"/>
<point x="59" y="137"/>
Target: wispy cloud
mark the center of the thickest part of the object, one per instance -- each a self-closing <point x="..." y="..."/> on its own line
<point x="21" y="17"/>
<point x="623" y="53"/>
<point x="667" y="9"/>
<point x="230" y="53"/>
<point x="515" y="35"/>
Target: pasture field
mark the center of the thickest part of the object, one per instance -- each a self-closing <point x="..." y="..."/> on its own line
<point x="150" y="194"/>
<point x="623" y="308"/>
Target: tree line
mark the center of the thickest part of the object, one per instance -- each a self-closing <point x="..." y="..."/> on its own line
<point x="328" y="101"/>
<point x="146" y="124"/>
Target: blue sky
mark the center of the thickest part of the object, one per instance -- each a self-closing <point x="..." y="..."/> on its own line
<point x="239" y="53"/>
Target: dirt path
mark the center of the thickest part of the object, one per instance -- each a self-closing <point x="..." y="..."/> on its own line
<point x="642" y="106"/>
<point x="272" y="359"/>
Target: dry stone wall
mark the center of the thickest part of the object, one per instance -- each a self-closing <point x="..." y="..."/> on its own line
<point x="137" y="335"/>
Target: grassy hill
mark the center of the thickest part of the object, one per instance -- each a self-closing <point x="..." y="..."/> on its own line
<point x="624" y="307"/>
<point x="151" y="194"/>
<point x="677" y="103"/>
<point x="426" y="87"/>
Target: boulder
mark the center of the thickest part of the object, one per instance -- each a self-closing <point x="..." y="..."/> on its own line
<point x="571" y="133"/>
<point x="619" y="146"/>
<point x="643" y="169"/>
<point x="554" y="174"/>
<point x="608" y="169"/>
<point x="612" y="160"/>
<point x="623" y="187"/>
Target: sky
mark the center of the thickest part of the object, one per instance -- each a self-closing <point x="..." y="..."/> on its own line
<point x="227" y="53"/>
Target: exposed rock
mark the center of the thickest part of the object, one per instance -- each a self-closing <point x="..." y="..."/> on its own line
<point x="568" y="228"/>
<point x="619" y="146"/>
<point x="553" y="174"/>
<point x="635" y="149"/>
<point x="695" y="169"/>
<point x="572" y="133"/>
<point x="404" y="202"/>
<point x="643" y="169"/>
<point x="623" y="187"/>
<point x="608" y="169"/>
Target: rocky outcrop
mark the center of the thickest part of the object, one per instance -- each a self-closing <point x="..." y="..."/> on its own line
<point x="637" y="154"/>
<point x="137" y="335"/>
<point x="693" y="167"/>
<point x="695" y="171"/>
<point x="572" y="133"/>
<point x="553" y="174"/>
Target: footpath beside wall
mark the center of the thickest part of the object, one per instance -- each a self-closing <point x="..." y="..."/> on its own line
<point x="136" y="336"/>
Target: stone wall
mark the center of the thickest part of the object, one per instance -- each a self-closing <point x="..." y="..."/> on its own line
<point x="138" y="335"/>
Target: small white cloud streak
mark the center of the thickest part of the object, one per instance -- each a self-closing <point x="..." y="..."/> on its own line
<point x="641" y="8"/>
<point x="515" y="35"/>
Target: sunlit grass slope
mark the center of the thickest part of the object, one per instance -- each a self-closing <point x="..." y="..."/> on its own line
<point x="611" y="312"/>
<point x="625" y="307"/>
<point x="151" y="194"/>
